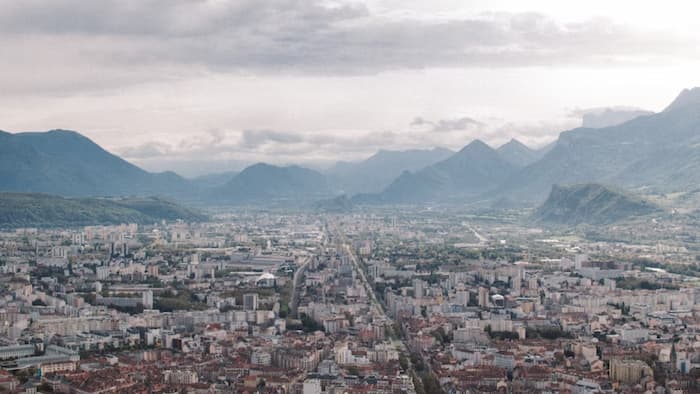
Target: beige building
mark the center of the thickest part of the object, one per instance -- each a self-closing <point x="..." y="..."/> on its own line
<point x="629" y="371"/>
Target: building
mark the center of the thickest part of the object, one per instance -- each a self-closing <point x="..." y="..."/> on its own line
<point x="250" y="302"/>
<point x="10" y="352"/>
<point x="261" y="357"/>
<point x="483" y="297"/>
<point x="312" y="386"/>
<point x="266" y="280"/>
<point x="180" y="377"/>
<point x="418" y="288"/>
<point x="147" y="299"/>
<point x="629" y="371"/>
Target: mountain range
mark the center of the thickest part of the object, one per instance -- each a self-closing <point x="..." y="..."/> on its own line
<point x="379" y="170"/>
<point x="475" y="169"/>
<point x="65" y="163"/>
<point x="647" y="153"/>
<point x="650" y="153"/>
<point x="656" y="153"/>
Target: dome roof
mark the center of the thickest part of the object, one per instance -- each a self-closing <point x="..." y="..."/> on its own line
<point x="266" y="276"/>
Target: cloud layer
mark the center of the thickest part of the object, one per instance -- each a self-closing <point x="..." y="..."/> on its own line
<point x="288" y="81"/>
<point x="313" y="36"/>
<point x="237" y="149"/>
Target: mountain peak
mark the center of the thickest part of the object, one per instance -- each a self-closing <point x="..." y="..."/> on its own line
<point x="476" y="145"/>
<point x="513" y="143"/>
<point x="687" y="99"/>
<point x="264" y="182"/>
<point x="517" y="153"/>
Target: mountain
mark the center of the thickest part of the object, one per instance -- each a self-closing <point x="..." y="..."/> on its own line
<point x="607" y="117"/>
<point x="475" y="169"/>
<point x="518" y="154"/>
<point x="377" y="172"/>
<point x="590" y="204"/>
<point x="265" y="183"/>
<point x="43" y="210"/>
<point x="66" y="163"/>
<point x="654" y="153"/>
<point x="688" y="99"/>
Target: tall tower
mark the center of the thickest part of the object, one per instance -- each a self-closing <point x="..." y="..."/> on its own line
<point x="517" y="281"/>
<point x="147" y="299"/>
<point x="418" y="288"/>
<point x="483" y="297"/>
<point x="250" y="302"/>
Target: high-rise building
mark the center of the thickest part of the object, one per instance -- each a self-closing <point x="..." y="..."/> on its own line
<point x="418" y="288"/>
<point x="483" y="297"/>
<point x="153" y="270"/>
<point x="147" y="299"/>
<point x="250" y="302"/>
<point x="517" y="281"/>
<point x="463" y="297"/>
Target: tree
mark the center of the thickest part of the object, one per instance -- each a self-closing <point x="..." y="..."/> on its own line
<point x="309" y="324"/>
<point x="417" y="362"/>
<point x="403" y="361"/>
<point x="430" y="384"/>
<point x="441" y="336"/>
<point x="38" y="302"/>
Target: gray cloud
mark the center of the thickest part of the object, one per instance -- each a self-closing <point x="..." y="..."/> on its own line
<point x="456" y="124"/>
<point x="600" y="117"/>
<point x="147" y="150"/>
<point x="581" y="112"/>
<point x="269" y="145"/>
<point x="251" y="139"/>
<point x="171" y="18"/>
<point x="311" y="36"/>
<point x="310" y="148"/>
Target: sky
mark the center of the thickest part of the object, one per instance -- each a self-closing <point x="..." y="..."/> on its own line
<point x="204" y="86"/>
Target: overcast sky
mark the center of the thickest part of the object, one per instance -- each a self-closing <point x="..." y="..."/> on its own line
<point x="206" y="86"/>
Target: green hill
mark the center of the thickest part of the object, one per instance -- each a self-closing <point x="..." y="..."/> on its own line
<point x="43" y="210"/>
<point x="590" y="204"/>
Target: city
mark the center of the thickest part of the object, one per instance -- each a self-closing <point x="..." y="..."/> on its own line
<point x="309" y="302"/>
<point x="349" y="197"/>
